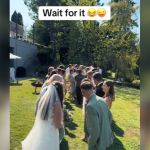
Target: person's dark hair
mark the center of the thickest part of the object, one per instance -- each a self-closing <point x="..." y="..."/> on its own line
<point x="86" y="85"/>
<point x="111" y="93"/>
<point x="74" y="69"/>
<point x="97" y="76"/>
<point x="59" y="88"/>
<point x="59" y="70"/>
<point x="63" y="71"/>
<point x="71" y="71"/>
<point x="70" y="65"/>
<point x="79" y="71"/>
<point x="94" y="70"/>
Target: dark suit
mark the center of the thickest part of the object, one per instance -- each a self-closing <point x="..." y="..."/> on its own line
<point x="78" y="79"/>
<point x="99" y="90"/>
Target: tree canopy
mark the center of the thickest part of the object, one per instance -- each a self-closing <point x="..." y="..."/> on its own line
<point x="17" y="18"/>
<point x="112" y="44"/>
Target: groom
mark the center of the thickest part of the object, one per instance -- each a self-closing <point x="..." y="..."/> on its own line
<point x="98" y="119"/>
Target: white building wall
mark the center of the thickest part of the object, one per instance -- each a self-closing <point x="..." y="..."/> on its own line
<point x="28" y="52"/>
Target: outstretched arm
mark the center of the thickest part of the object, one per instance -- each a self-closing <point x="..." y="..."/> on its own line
<point x="58" y="115"/>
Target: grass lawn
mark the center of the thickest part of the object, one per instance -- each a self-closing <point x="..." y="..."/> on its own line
<point x="125" y="110"/>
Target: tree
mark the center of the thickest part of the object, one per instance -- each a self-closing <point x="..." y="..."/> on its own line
<point x="17" y="18"/>
<point x="111" y="45"/>
<point x="14" y="17"/>
<point x="20" y="19"/>
<point x="123" y="38"/>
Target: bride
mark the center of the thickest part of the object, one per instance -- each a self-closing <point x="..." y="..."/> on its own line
<point x="48" y="122"/>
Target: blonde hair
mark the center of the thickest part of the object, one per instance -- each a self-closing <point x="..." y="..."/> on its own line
<point x="55" y="77"/>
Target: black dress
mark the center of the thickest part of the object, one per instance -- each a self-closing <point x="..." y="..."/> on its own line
<point x="99" y="90"/>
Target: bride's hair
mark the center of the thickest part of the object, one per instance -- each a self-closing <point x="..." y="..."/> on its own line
<point x="55" y="77"/>
<point x="59" y="88"/>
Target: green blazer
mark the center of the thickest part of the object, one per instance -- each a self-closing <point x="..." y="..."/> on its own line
<point x="98" y="121"/>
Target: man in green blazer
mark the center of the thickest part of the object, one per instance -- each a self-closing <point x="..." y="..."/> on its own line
<point x="98" y="119"/>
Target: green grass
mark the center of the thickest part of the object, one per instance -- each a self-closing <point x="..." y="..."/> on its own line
<point x="125" y="110"/>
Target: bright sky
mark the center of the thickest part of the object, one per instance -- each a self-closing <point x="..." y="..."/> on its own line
<point x="137" y="14"/>
<point x="19" y="6"/>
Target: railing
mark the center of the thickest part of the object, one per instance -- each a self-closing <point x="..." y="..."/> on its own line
<point x="22" y="38"/>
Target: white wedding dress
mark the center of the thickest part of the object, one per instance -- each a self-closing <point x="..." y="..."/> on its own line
<point x="44" y="135"/>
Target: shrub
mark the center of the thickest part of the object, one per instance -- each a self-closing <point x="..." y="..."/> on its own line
<point x="41" y="71"/>
<point x="42" y="57"/>
<point x="136" y="83"/>
<point x="129" y="76"/>
<point x="111" y="74"/>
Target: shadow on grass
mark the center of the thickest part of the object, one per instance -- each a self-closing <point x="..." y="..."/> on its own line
<point x="127" y="90"/>
<point x="15" y="84"/>
<point x="36" y="93"/>
<point x="117" y="145"/>
<point x="75" y="102"/>
<point x="71" y="135"/>
<point x="71" y="125"/>
<point x="117" y="130"/>
<point x="64" y="145"/>
<point x="32" y="80"/>
<point x="68" y="106"/>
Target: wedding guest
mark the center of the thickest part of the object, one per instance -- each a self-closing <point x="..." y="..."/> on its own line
<point x="68" y="69"/>
<point x="12" y="74"/>
<point x="87" y="69"/>
<point x="50" y="69"/>
<point x="84" y="113"/>
<point x="72" y="83"/>
<point x="76" y="66"/>
<point x="54" y="71"/>
<point x="61" y="66"/>
<point x="98" y="119"/>
<point x="84" y="101"/>
<point x="100" y="70"/>
<point x="63" y="74"/>
<point x="94" y="70"/>
<point x="81" y="67"/>
<point x="59" y="71"/>
<point x="99" y="83"/>
<point x="84" y="70"/>
<point x="109" y="95"/>
<point x="78" y="78"/>
<point x="75" y="72"/>
<point x="90" y="77"/>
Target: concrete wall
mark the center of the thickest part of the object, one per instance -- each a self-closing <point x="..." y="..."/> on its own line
<point x="27" y="51"/>
<point x="16" y="28"/>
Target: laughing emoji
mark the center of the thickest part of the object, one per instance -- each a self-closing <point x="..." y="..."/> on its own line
<point x="101" y="12"/>
<point x="91" y="12"/>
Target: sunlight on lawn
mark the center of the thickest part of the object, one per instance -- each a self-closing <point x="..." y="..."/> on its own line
<point x="125" y="110"/>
